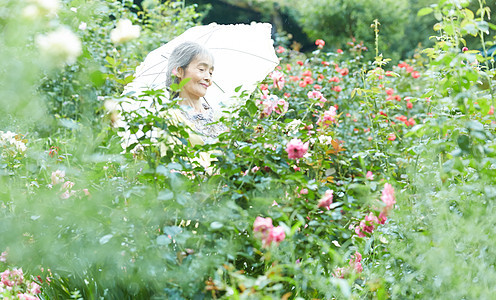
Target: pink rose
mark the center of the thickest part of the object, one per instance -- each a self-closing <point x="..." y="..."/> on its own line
<point x="328" y="118"/>
<point x="278" y="79"/>
<point x="296" y="149"/>
<point x="276" y="235"/>
<point x="12" y="277"/>
<point x="356" y="262"/>
<point x="262" y="225"/>
<point x="326" y="200"/>
<point x="34" y="288"/>
<point x="388" y="195"/>
<point x="26" y="296"/>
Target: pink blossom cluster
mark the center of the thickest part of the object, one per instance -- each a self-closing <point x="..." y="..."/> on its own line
<point x="328" y="118"/>
<point x="355" y="264"/>
<point x="326" y="200"/>
<point x="273" y="103"/>
<point x="267" y="232"/>
<point x="370" y="221"/>
<point x="12" y="282"/>
<point x="368" y="225"/>
<point x="58" y="177"/>
<point x="318" y="96"/>
<point x="296" y="148"/>
<point x="388" y="196"/>
<point x="255" y="169"/>
<point x="278" y="79"/>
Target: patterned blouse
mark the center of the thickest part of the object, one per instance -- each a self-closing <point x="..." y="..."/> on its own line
<point x="203" y="123"/>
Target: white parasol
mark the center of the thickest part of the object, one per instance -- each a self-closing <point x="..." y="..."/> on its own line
<point x="243" y="55"/>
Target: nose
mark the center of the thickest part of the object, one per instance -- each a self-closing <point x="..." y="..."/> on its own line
<point x="208" y="78"/>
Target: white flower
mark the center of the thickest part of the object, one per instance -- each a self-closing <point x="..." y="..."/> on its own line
<point x="323" y="139"/>
<point x="11" y="144"/>
<point x="60" y="46"/>
<point x="31" y="12"/>
<point x="83" y="26"/>
<point x="124" y="31"/>
<point x="39" y="8"/>
<point x="58" y="177"/>
<point x="49" y="6"/>
<point x="74" y="9"/>
<point x="8" y="136"/>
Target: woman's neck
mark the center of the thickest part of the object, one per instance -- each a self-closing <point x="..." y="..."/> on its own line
<point x="194" y="103"/>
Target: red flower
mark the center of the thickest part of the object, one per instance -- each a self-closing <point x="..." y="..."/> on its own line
<point x="337" y="88"/>
<point x="344" y="71"/>
<point x="325" y="63"/>
<point x="307" y="73"/>
<point x="334" y="79"/>
<point x="339" y="51"/>
<point x="491" y="111"/>
<point x="320" y="43"/>
<point x="280" y="49"/>
<point x="415" y="74"/>
<point x="308" y="80"/>
<point x="409" y="105"/>
<point x="300" y="63"/>
<point x="389" y="91"/>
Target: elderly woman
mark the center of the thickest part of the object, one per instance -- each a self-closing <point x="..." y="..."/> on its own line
<point x="192" y="62"/>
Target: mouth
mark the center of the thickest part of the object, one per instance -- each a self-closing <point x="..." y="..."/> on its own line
<point x="204" y="85"/>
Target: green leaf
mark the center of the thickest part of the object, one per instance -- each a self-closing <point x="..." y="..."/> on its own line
<point x="163" y="240"/>
<point x="424" y="11"/>
<point x="251" y="106"/>
<point x="110" y="60"/>
<point x="216" y="225"/>
<point x="98" y="78"/>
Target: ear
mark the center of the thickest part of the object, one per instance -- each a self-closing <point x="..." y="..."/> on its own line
<point x="179" y="72"/>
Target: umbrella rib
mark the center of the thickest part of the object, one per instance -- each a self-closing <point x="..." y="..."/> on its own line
<point x="159" y="72"/>
<point x="244" y="52"/>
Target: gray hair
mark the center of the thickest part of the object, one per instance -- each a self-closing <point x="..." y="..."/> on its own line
<point x="182" y="56"/>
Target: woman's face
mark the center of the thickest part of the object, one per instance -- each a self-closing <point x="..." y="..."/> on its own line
<point x="200" y="73"/>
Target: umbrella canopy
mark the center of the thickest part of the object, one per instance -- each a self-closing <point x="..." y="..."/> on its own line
<point x="243" y="55"/>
